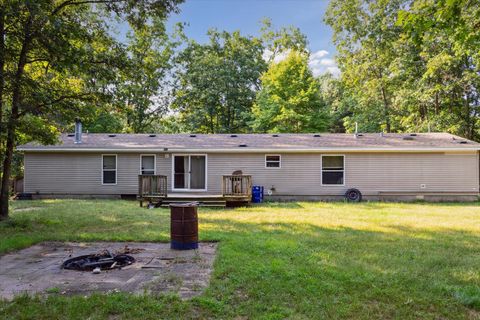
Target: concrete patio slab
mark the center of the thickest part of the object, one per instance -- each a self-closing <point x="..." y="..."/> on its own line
<point x="158" y="269"/>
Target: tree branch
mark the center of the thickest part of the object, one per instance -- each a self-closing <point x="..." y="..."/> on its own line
<point x="52" y="102"/>
<point x="76" y="3"/>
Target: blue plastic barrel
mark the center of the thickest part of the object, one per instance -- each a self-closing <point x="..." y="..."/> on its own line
<point x="257" y="194"/>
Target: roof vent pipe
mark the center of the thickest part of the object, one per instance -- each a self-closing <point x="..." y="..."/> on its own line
<point x="78" y="131"/>
<point x="356" y="130"/>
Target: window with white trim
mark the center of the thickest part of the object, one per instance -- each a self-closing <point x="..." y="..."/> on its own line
<point x="147" y="165"/>
<point x="109" y="169"/>
<point x="272" y="161"/>
<point x="333" y="170"/>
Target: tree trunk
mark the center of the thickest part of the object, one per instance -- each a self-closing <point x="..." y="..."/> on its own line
<point x="386" y="106"/>
<point x="12" y="122"/>
<point x="469" y="116"/>
<point x="2" y="76"/>
<point x="386" y="111"/>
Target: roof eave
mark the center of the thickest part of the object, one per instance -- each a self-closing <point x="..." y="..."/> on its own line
<point x="250" y="150"/>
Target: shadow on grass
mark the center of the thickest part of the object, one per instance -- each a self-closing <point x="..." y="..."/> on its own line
<point x="402" y="273"/>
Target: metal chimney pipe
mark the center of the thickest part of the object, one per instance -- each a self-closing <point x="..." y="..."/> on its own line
<point x="78" y="131"/>
<point x="355" y="135"/>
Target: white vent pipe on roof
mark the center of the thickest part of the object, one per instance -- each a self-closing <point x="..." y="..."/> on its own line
<point x="78" y="131"/>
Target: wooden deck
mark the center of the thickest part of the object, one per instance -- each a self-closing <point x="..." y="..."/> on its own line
<point x="237" y="191"/>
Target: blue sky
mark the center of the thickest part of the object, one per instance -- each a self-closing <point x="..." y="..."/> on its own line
<point x="245" y="15"/>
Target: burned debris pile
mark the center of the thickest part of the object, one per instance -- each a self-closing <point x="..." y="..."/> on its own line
<point x="104" y="261"/>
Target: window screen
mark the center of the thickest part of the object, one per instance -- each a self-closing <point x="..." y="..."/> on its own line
<point x="272" y="161"/>
<point x="333" y="170"/>
<point x="109" y="169"/>
<point x="148" y="165"/>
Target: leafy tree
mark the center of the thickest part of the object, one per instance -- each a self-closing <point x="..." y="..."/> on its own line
<point x="58" y="60"/>
<point x="277" y="42"/>
<point x="439" y="65"/>
<point x="145" y="83"/>
<point x="107" y="119"/>
<point x="410" y="65"/>
<point x="217" y="82"/>
<point x="364" y="34"/>
<point x="340" y="103"/>
<point x="289" y="100"/>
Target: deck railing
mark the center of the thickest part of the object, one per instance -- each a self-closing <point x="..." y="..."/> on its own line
<point x="152" y="186"/>
<point x="237" y="186"/>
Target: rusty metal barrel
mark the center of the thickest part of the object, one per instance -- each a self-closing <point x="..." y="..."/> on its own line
<point x="184" y="226"/>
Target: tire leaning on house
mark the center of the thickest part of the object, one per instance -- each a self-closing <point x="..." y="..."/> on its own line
<point x="353" y="195"/>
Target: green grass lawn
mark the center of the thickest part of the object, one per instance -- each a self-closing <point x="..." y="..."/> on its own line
<point x="292" y="260"/>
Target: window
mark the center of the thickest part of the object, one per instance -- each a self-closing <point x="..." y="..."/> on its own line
<point x="272" y="161"/>
<point x="333" y="170"/>
<point x="109" y="169"/>
<point x="147" y="164"/>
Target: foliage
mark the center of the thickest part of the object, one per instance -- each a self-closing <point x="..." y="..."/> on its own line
<point x="280" y="41"/>
<point x="144" y="87"/>
<point x="364" y="32"/>
<point x="289" y="100"/>
<point x="439" y="61"/>
<point x="410" y="65"/>
<point x="104" y="120"/>
<point x="58" y="60"/>
<point x="340" y="103"/>
<point x="217" y="82"/>
<point x="300" y="260"/>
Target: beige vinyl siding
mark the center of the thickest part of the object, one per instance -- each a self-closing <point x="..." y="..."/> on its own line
<point x="300" y="174"/>
<point x="78" y="174"/>
<point x="406" y="172"/>
<point x="164" y="168"/>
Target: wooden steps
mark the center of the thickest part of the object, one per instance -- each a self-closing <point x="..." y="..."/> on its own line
<point x="203" y="200"/>
<point x="207" y="203"/>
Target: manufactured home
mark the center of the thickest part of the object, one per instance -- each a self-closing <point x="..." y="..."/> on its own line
<point x="381" y="166"/>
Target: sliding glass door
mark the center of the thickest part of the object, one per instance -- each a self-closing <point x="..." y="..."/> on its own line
<point x="189" y="172"/>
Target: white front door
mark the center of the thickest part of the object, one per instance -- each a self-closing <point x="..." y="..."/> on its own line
<point x="189" y="172"/>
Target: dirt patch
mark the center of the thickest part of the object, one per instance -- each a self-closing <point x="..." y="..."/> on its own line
<point x="157" y="269"/>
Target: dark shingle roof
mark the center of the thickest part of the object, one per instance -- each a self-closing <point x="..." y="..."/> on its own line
<point x="206" y="142"/>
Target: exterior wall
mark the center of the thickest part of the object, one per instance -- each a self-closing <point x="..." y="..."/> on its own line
<point x="300" y="174"/>
<point x="374" y="174"/>
<point x="70" y="173"/>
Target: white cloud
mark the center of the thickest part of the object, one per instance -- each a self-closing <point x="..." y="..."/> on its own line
<point x="327" y="62"/>
<point x="267" y="54"/>
<point x="281" y="56"/>
<point x="320" y="64"/>
<point x="318" y="54"/>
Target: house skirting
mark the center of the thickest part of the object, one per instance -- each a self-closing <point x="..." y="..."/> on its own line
<point x="398" y="197"/>
<point x="40" y="196"/>
<point x="389" y="197"/>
